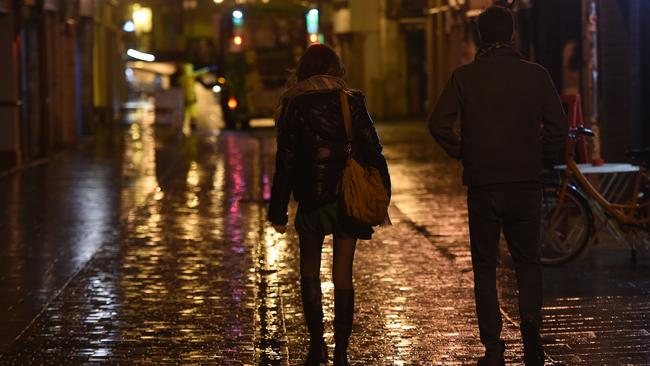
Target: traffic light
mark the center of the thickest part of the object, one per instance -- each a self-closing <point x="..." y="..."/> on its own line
<point x="237" y="30"/>
<point x="237" y="18"/>
<point x="312" y="26"/>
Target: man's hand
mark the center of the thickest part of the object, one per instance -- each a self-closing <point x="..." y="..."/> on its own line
<point x="280" y="229"/>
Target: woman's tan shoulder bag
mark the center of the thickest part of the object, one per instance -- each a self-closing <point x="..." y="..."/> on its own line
<point x="363" y="194"/>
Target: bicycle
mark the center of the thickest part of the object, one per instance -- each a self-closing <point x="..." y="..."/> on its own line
<point x="574" y="210"/>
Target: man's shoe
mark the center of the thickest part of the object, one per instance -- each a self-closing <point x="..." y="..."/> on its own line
<point x="317" y="354"/>
<point x="491" y="361"/>
<point x="533" y="349"/>
<point x="493" y="357"/>
<point x="313" y="310"/>
<point x="343" y="314"/>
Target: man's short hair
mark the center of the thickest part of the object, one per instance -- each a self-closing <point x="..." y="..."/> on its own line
<point x="496" y="24"/>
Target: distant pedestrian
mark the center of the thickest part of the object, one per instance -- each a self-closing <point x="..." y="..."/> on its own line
<point x="511" y="121"/>
<point x="311" y="156"/>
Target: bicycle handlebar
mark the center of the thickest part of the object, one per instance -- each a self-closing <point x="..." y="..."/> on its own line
<point x="581" y="130"/>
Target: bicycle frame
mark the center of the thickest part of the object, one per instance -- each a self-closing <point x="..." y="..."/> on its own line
<point x="622" y="213"/>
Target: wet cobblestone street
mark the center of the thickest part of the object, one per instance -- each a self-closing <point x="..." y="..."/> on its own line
<point x="157" y="252"/>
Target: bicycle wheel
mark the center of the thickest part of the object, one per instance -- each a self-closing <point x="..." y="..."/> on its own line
<point x="566" y="236"/>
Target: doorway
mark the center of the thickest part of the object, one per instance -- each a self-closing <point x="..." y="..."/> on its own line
<point x="416" y="73"/>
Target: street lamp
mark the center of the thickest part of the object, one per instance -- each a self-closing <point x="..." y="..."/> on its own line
<point x="128" y="26"/>
<point x="142" y="18"/>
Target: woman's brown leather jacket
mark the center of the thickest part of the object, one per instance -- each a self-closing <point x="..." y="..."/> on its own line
<point x="312" y="152"/>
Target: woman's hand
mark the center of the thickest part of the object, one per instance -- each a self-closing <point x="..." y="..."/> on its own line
<point x="280" y="229"/>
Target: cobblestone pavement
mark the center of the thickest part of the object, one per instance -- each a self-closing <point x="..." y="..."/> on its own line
<point x="190" y="273"/>
<point x="54" y="216"/>
<point x="596" y="307"/>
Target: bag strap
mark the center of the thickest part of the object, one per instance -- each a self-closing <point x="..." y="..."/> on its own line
<point x="347" y="119"/>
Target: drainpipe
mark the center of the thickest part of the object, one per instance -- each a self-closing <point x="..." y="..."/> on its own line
<point x="590" y="50"/>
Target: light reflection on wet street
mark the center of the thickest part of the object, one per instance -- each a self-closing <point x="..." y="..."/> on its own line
<point x="184" y="269"/>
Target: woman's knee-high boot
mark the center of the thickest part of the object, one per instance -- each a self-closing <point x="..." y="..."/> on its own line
<point x="313" y="310"/>
<point x="343" y="314"/>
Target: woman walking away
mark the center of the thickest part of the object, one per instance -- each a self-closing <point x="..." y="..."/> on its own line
<point x="312" y="154"/>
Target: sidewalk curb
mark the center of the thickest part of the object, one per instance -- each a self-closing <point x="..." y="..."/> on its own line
<point x="48" y="159"/>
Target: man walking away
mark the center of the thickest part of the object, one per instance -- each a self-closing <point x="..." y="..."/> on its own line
<point x="511" y="122"/>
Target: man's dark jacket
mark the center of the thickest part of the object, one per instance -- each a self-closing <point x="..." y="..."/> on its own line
<point x="312" y="150"/>
<point x="511" y="119"/>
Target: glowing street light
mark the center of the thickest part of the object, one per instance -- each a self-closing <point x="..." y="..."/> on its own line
<point x="142" y="56"/>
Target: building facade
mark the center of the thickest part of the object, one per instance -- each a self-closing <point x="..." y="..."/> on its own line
<point x="61" y="63"/>
<point x="401" y="53"/>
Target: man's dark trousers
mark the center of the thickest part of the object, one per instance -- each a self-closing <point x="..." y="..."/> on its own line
<point x="516" y="210"/>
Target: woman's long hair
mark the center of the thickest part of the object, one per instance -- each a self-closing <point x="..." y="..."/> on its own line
<point x="319" y="59"/>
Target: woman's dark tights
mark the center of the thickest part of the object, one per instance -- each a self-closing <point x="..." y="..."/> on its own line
<point x="311" y="247"/>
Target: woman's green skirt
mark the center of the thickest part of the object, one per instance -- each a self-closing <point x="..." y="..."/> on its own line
<point x="328" y="219"/>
